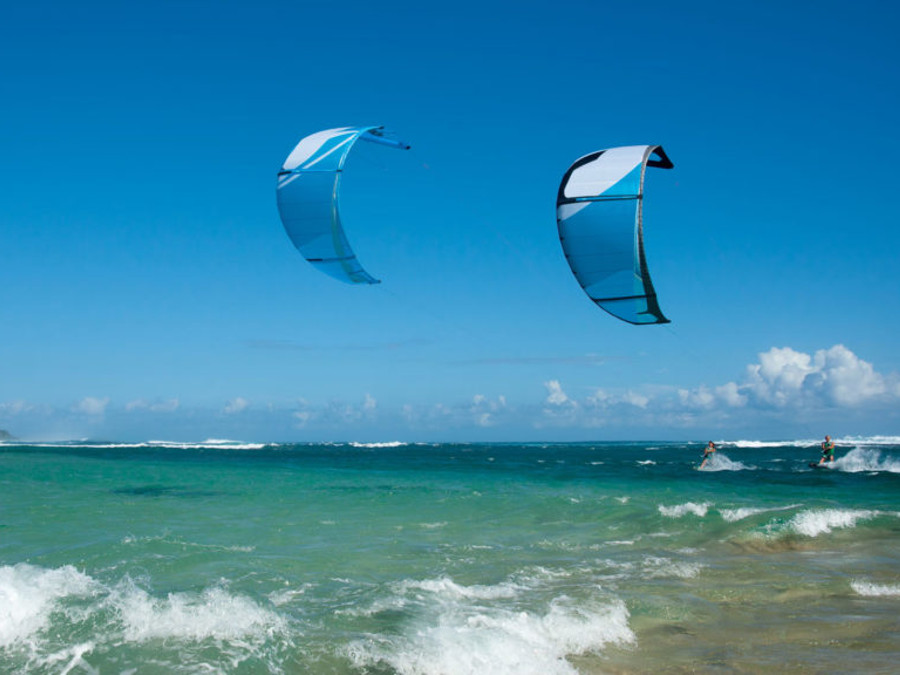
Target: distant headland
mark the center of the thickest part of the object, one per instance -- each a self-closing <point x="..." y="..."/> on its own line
<point x="6" y="436"/>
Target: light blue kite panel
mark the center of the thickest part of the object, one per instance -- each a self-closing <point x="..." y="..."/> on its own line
<point x="308" y="194"/>
<point x="599" y="216"/>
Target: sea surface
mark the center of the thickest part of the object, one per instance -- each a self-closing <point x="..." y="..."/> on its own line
<point x="226" y="557"/>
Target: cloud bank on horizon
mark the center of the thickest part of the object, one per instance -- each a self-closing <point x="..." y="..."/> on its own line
<point x="783" y="387"/>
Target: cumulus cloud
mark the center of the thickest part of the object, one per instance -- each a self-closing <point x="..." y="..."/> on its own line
<point x="555" y="394"/>
<point x="782" y="386"/>
<point x="605" y="399"/>
<point x="236" y="405"/>
<point x="832" y="377"/>
<point x="784" y="379"/>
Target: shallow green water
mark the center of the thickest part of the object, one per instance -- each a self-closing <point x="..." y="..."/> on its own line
<point x="232" y="558"/>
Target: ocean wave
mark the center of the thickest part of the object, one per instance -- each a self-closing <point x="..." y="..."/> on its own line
<point x="29" y="595"/>
<point x="655" y="567"/>
<point x="813" y="522"/>
<point x="459" y="629"/>
<point x="213" y="613"/>
<point x="870" y="440"/>
<point x="386" y="444"/>
<point x="39" y="605"/>
<point x="445" y="588"/>
<point x="175" y="445"/>
<point x="801" y="443"/>
<point x="869" y="589"/>
<point x="681" y="510"/>
<point x="807" y="442"/>
<point x="734" y="515"/>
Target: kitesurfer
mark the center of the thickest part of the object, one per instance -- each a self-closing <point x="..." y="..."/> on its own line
<point x="827" y="451"/>
<point x="708" y="452"/>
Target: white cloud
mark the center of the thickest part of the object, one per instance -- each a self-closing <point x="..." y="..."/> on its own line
<point x="783" y="388"/>
<point x="555" y="395"/>
<point x="483" y="411"/>
<point x="731" y="395"/>
<point x="91" y="406"/>
<point x="830" y="377"/>
<point x="784" y="383"/>
<point x="302" y="417"/>
<point x="236" y="405"/>
<point x="15" y="408"/>
<point x="847" y="379"/>
<point x="604" y="399"/>
<point x="168" y="406"/>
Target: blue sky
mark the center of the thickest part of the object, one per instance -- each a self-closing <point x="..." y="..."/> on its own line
<point x="149" y="290"/>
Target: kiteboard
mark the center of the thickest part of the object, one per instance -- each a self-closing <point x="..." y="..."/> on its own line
<point x="816" y="465"/>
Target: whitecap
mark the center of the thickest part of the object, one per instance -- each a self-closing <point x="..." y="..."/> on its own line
<point x="866" y="459"/>
<point x="445" y="588"/>
<point x="462" y="637"/>
<point x="213" y="613"/>
<point x="30" y="594"/>
<point x="814" y="522"/>
<point x="721" y="462"/>
<point x="684" y="509"/>
<point x="870" y="589"/>
<point x="734" y="515"/>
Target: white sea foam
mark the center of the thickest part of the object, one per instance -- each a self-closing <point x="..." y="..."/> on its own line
<point x="721" y="462"/>
<point x="870" y="440"/>
<point x="214" y="613"/>
<point x="74" y="659"/>
<point x="802" y="443"/>
<point x="866" y="459"/>
<point x="386" y="444"/>
<point x="814" y="522"/>
<point x="446" y="588"/>
<point x="684" y="509"/>
<point x="870" y="589"/>
<point x="35" y="601"/>
<point x="646" y="462"/>
<point x="288" y="595"/>
<point x="212" y="443"/>
<point x="29" y="595"/>
<point x="734" y="515"/>
<point x="458" y="629"/>
<point x="807" y="442"/>
<point x="656" y="567"/>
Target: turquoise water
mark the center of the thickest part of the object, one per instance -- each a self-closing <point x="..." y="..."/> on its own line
<point x="224" y="557"/>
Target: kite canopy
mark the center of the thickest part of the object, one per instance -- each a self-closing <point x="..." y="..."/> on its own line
<point x="308" y="190"/>
<point x="598" y="213"/>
